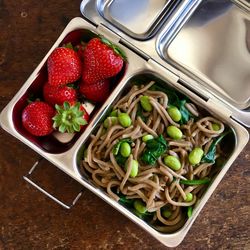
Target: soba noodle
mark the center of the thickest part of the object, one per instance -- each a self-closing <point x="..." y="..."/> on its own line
<point x="158" y="186"/>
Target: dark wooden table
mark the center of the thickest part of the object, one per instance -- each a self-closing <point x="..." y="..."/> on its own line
<point x="29" y="220"/>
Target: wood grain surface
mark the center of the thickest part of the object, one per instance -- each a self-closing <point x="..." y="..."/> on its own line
<point x="29" y="220"/>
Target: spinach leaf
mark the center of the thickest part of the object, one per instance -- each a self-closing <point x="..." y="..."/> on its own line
<point x="210" y="156"/>
<point x="117" y="146"/>
<point x="145" y="216"/>
<point x="185" y="114"/>
<point x="121" y="160"/>
<point x="129" y="203"/>
<point x="140" y="114"/>
<point x="195" y="182"/>
<point x="175" y="99"/>
<point x="126" y="202"/>
<point x="154" y="149"/>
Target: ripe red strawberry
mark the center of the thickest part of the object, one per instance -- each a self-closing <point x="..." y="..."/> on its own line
<point x="70" y="117"/>
<point x="102" y="60"/>
<point x="64" y="66"/>
<point x="37" y="118"/>
<point x="97" y="92"/>
<point x="58" y="94"/>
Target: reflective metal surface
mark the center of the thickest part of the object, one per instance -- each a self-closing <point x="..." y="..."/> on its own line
<point x="214" y="45"/>
<point x="129" y="15"/>
<point x="154" y="66"/>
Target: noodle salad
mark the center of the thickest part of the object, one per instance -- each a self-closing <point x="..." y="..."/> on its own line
<point x="156" y="154"/>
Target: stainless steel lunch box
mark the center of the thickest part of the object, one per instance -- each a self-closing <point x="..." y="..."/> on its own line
<point x="200" y="48"/>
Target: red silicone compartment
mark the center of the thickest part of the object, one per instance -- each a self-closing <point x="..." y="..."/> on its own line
<point x="49" y="143"/>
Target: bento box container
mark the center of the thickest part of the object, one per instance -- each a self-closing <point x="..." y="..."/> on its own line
<point x="157" y="49"/>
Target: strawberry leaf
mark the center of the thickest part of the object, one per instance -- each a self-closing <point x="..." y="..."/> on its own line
<point x="62" y="128"/>
<point x="115" y="48"/>
<point x="106" y="41"/>
<point x="119" y="52"/>
<point x="66" y="105"/>
<point x="69" y="46"/>
<point x="69" y="118"/>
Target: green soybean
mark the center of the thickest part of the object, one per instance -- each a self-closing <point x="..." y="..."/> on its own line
<point x="190" y="212"/>
<point x="125" y="149"/>
<point x="172" y="162"/>
<point x="174" y="132"/>
<point x="114" y="113"/>
<point x="174" y="113"/>
<point x="124" y="120"/>
<point x="146" y="105"/>
<point x="195" y="156"/>
<point x="166" y="213"/>
<point x="134" y="170"/>
<point x="189" y="197"/>
<point x="140" y="206"/>
<point x="107" y="121"/>
<point x="216" y="126"/>
<point x="147" y="138"/>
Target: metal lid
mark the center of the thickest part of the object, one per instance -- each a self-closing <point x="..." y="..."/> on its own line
<point x="129" y="15"/>
<point x="206" y="41"/>
<point x="214" y="47"/>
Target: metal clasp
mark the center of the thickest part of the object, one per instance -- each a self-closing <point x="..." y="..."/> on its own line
<point x="26" y="178"/>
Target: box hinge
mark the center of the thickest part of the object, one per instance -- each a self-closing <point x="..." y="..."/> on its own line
<point x="219" y="108"/>
<point x="108" y="33"/>
<point x="137" y="51"/>
<point x="194" y="87"/>
<point x="167" y="73"/>
<point x="114" y="37"/>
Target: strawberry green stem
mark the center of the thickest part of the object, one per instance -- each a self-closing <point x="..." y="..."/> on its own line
<point x="69" y="118"/>
<point x="115" y="48"/>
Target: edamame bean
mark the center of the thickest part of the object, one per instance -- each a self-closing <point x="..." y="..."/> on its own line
<point x="125" y="149"/>
<point x="114" y="113"/>
<point x="147" y="138"/>
<point x="190" y="211"/>
<point x="195" y="156"/>
<point x="172" y="162"/>
<point x="216" y="126"/>
<point x="166" y="213"/>
<point x="189" y="197"/>
<point x="146" y="105"/>
<point x="174" y="113"/>
<point x="107" y="121"/>
<point x="124" y="120"/>
<point x="134" y="170"/>
<point x="174" y="132"/>
<point x="140" y="206"/>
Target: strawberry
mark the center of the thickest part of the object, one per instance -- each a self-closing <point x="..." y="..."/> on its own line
<point x="37" y="118"/>
<point x="80" y="48"/>
<point x="58" y="94"/>
<point x="64" y="66"/>
<point x="102" y="60"/>
<point x="70" y="117"/>
<point x="97" y="92"/>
